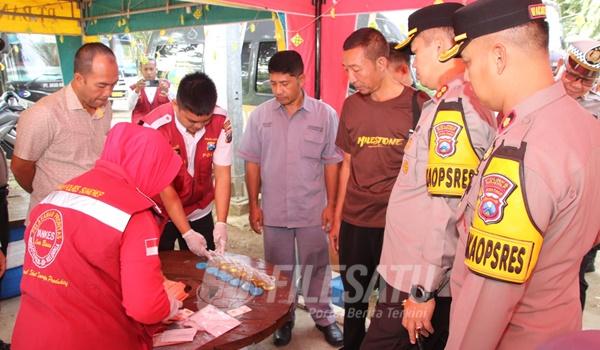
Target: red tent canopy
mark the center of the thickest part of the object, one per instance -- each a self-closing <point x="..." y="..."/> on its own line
<point x="338" y="21"/>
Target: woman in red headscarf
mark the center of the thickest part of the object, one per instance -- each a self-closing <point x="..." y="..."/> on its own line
<point x="92" y="276"/>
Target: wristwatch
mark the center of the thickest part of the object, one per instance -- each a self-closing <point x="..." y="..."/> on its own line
<point x="420" y="295"/>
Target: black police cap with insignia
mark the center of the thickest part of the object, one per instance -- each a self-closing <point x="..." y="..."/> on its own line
<point x="433" y="16"/>
<point x="490" y="16"/>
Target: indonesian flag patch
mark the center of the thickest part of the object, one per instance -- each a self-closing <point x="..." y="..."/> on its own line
<point x="151" y="246"/>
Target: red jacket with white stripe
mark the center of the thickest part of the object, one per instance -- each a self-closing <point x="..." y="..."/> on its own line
<point x="91" y="276"/>
<point x="195" y="192"/>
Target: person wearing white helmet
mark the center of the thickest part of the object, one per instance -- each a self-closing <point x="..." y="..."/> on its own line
<point x="579" y="74"/>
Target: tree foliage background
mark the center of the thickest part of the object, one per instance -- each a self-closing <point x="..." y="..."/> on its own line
<point x="580" y="18"/>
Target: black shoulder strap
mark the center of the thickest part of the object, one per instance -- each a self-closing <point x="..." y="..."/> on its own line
<point x="416" y="109"/>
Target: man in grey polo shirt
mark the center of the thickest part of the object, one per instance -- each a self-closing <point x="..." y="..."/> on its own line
<point x="291" y="157"/>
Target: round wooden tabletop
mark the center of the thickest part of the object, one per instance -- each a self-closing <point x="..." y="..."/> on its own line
<point x="269" y="311"/>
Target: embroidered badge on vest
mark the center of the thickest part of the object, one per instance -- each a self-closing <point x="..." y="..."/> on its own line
<point x="495" y="188"/>
<point x="228" y="131"/>
<point x="446" y="134"/>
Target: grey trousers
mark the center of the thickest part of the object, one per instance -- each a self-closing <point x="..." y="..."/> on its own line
<point x="313" y="257"/>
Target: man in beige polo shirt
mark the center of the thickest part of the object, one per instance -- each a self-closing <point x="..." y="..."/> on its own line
<point x="62" y="135"/>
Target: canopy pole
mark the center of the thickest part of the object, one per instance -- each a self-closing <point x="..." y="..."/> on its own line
<point x="318" y="48"/>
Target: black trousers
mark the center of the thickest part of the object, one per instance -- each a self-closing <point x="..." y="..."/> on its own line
<point x="4" y="218"/>
<point x="386" y="330"/>
<point x="583" y="285"/>
<point x="170" y="234"/>
<point x="360" y="250"/>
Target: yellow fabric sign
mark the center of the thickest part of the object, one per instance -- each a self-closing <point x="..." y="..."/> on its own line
<point x="40" y="17"/>
<point x="279" y="33"/>
<point x="503" y="242"/>
<point x="452" y="159"/>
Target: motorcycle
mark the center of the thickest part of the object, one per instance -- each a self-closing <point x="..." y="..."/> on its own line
<point x="9" y="116"/>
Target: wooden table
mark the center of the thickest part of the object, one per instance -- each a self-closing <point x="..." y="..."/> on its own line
<point x="269" y="311"/>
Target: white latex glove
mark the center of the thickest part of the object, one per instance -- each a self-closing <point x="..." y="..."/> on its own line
<point x="175" y="306"/>
<point x="195" y="242"/>
<point x="220" y="236"/>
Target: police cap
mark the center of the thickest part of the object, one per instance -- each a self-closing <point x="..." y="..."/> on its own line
<point x="490" y="16"/>
<point x="584" y="58"/>
<point x="433" y="16"/>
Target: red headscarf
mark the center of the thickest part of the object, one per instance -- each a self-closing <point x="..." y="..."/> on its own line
<point x="144" y="155"/>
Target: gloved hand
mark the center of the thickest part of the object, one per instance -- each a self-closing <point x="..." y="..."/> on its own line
<point x="220" y="236"/>
<point x="195" y="242"/>
<point x="174" y="304"/>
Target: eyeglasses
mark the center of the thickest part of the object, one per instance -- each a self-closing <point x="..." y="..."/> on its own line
<point x="573" y="77"/>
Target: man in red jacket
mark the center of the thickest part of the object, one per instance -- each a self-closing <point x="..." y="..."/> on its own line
<point x="201" y="134"/>
<point x="91" y="276"/>
<point x="149" y="92"/>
